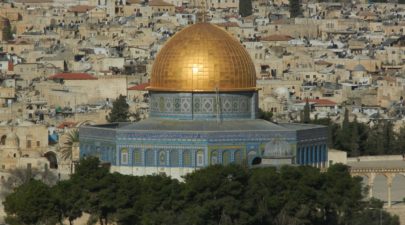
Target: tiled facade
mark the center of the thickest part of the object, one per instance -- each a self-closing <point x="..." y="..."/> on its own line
<point x="191" y="106"/>
<point x="141" y="152"/>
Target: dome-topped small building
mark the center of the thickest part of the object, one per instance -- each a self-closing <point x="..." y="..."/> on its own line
<point x="203" y="111"/>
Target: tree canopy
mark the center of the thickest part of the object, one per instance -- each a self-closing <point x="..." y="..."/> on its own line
<point x="295" y="8"/>
<point x="218" y="194"/>
<point x="245" y="8"/>
<point x="120" y="110"/>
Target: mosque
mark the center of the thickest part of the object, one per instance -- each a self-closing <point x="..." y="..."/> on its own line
<point x="203" y="111"/>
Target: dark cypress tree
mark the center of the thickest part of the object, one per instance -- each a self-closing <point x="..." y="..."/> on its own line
<point x="8" y="32"/>
<point x="307" y="112"/>
<point x="295" y="8"/>
<point x="120" y="111"/>
<point x="245" y="7"/>
<point x="354" y="138"/>
<point x="343" y="139"/>
<point x="388" y="137"/>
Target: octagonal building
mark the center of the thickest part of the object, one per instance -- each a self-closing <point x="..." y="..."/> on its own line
<point x="203" y="111"/>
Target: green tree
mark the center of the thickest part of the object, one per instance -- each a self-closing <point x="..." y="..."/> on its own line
<point x="214" y="195"/>
<point x="307" y="112"/>
<point x="265" y="115"/>
<point x="354" y="138"/>
<point x="32" y="203"/>
<point x="8" y="32"/>
<point x="295" y="8"/>
<point x="245" y="7"/>
<point x="120" y="111"/>
<point x="70" y="199"/>
<point x="400" y="141"/>
<point x="388" y="137"/>
<point x="344" y="136"/>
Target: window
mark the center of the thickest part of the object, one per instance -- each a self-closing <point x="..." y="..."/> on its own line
<point x="124" y="156"/>
<point x="186" y="158"/>
<point x="28" y="143"/>
<point x="38" y="143"/>
<point x="162" y="158"/>
<point x="150" y="157"/>
<point x="214" y="158"/>
<point x="200" y="158"/>
<point x="137" y="156"/>
<point x="238" y="156"/>
<point x="174" y="158"/>
<point x="226" y="157"/>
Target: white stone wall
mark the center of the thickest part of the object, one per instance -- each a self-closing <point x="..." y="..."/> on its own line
<point x="174" y="172"/>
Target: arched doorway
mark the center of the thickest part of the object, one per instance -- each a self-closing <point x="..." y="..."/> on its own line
<point x="52" y="159"/>
<point x="3" y="140"/>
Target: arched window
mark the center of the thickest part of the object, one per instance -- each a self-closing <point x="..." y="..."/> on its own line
<point x="200" y="158"/>
<point x="214" y="158"/>
<point x="124" y="156"/>
<point x="226" y="157"/>
<point x="187" y="158"/>
<point x="238" y="156"/>
<point x="174" y="158"/>
<point x="162" y="158"/>
<point x="3" y="139"/>
<point x="137" y="156"/>
<point x="150" y="157"/>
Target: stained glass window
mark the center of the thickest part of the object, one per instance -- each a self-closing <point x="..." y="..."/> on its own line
<point x="186" y="158"/>
<point x="162" y="158"/>
<point x="214" y="157"/>
<point x="150" y="157"/>
<point x="200" y="158"/>
<point x="137" y="156"/>
<point x="238" y="156"/>
<point x="124" y="156"/>
<point x="226" y="157"/>
<point x="174" y="158"/>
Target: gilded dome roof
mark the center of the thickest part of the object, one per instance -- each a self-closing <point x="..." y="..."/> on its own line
<point x="203" y="58"/>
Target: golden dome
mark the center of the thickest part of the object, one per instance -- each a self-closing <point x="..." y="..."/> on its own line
<point x="203" y="58"/>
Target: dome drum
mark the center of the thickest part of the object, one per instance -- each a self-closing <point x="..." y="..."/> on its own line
<point x="203" y="106"/>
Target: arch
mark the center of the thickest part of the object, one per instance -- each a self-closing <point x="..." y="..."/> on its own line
<point x="137" y="156"/>
<point x="187" y="158"/>
<point x="150" y="157"/>
<point x="174" y="158"/>
<point x="214" y="158"/>
<point x="397" y="187"/>
<point x="3" y="139"/>
<point x="256" y="161"/>
<point x="52" y="159"/>
<point x="226" y="157"/>
<point x="199" y="158"/>
<point x="380" y="188"/>
<point x="162" y="158"/>
<point x="238" y="156"/>
<point x="124" y="156"/>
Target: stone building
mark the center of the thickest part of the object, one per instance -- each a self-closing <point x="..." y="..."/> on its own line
<point x="203" y="111"/>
